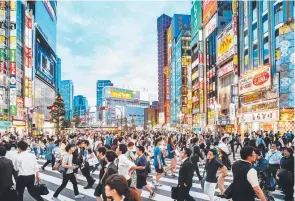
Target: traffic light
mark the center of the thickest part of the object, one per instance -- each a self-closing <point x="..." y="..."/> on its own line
<point x="52" y="108"/>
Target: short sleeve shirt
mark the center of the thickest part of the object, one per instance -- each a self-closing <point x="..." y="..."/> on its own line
<point x="211" y="170"/>
<point x="141" y="161"/>
<point x="69" y="161"/>
<point x="157" y="152"/>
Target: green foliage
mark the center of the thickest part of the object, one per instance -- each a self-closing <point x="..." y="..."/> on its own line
<point x="66" y="123"/>
<point x="76" y="118"/>
<point x="57" y="112"/>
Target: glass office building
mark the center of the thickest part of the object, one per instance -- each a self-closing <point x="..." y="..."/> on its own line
<point x="67" y="93"/>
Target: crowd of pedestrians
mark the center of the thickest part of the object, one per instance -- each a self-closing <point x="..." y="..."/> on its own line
<point x="124" y="162"/>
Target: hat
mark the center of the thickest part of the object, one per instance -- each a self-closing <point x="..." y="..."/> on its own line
<point x="223" y="147"/>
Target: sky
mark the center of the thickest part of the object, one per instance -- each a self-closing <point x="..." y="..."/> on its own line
<point x="100" y="40"/>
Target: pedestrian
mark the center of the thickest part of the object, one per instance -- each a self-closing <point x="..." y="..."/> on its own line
<point x="117" y="189"/>
<point x="85" y="168"/>
<point x="185" y="178"/>
<point x="232" y="143"/>
<point x="238" y="142"/>
<point x="49" y="154"/>
<point x="101" y="156"/>
<point x="111" y="169"/>
<point x="286" y="174"/>
<point x="124" y="165"/>
<point x="261" y="145"/>
<point x="26" y="165"/>
<point x="211" y="168"/>
<point x="6" y="172"/>
<point x="245" y="180"/>
<point x="224" y="159"/>
<point x="273" y="157"/>
<point x="141" y="172"/>
<point x="158" y="163"/>
<point x="171" y="155"/>
<point x="195" y="157"/>
<point x="67" y="164"/>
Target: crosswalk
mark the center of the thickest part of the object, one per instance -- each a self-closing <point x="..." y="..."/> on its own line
<point x="53" y="179"/>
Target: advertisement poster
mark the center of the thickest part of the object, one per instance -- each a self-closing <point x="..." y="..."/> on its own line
<point x="28" y="59"/>
<point x="267" y="116"/>
<point x="254" y="80"/>
<point x="225" y="44"/>
<point x="209" y="8"/>
<point x="179" y="23"/>
<point x="12" y="53"/>
<point x="287" y="114"/>
<point x="227" y="68"/>
<point x="210" y="27"/>
<point x="196" y="18"/>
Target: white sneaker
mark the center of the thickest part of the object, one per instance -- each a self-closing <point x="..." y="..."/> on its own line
<point x="55" y="199"/>
<point x="79" y="196"/>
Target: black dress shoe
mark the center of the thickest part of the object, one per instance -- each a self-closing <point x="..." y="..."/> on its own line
<point x="87" y="187"/>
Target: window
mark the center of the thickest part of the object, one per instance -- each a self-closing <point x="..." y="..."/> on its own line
<point x="246" y="38"/>
<point x="277" y="38"/>
<point x="265" y="50"/>
<point x="265" y="26"/>
<point x="265" y="5"/>
<point x="255" y="31"/>
<point x="227" y="80"/>
<point x="279" y="13"/>
<point x="254" y="7"/>
<point x="255" y="56"/>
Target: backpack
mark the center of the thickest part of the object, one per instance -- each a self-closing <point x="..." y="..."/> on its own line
<point x="148" y="167"/>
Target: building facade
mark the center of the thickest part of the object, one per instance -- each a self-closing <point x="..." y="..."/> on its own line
<point x="177" y="72"/>
<point x="100" y="84"/>
<point x="266" y="82"/>
<point x="81" y="107"/>
<point x="123" y="107"/>
<point x="58" y="74"/>
<point x="67" y="93"/>
<point x="163" y="23"/>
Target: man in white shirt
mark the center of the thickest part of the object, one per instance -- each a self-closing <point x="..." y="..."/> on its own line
<point x="26" y="165"/>
<point x="124" y="165"/>
<point x="10" y="154"/>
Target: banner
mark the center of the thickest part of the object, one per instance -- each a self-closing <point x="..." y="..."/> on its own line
<point x="28" y="59"/>
<point x="210" y="27"/>
<point x="196" y="18"/>
<point x="254" y="80"/>
<point x="287" y="114"/>
<point x="209" y="8"/>
<point x="227" y="68"/>
<point x="267" y="116"/>
<point x="251" y="98"/>
<point x="225" y="44"/>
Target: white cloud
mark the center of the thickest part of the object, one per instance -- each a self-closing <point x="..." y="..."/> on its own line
<point x="129" y="59"/>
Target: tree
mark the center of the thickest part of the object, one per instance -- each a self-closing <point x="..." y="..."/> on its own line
<point x="57" y="112"/>
<point x="76" y="118"/>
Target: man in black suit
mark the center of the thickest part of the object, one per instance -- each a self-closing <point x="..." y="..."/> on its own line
<point x="6" y="170"/>
<point x="185" y="178"/>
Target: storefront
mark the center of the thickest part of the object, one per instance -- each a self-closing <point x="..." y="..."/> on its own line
<point x="4" y="126"/>
<point x="287" y="120"/>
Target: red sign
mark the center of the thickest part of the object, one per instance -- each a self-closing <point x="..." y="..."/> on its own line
<point x="2" y="67"/>
<point x="19" y="102"/>
<point x="260" y="78"/>
<point x="12" y="68"/>
<point x="226" y="69"/>
<point x="28" y="22"/>
<point x="28" y="57"/>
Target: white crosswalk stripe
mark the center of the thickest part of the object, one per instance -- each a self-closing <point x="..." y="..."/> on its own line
<point x="53" y="179"/>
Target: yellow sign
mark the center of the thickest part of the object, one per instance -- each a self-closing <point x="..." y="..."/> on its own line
<point x="287" y="114"/>
<point x="278" y="54"/>
<point x="167" y="71"/>
<point x="234" y="6"/>
<point x="121" y="94"/>
<point x="287" y="28"/>
<point x="225" y="44"/>
<point x="13" y="5"/>
<point x="236" y="59"/>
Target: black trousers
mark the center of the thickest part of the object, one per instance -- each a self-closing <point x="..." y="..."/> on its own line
<point x="238" y="145"/>
<point x="272" y="170"/>
<point x="86" y="173"/>
<point x="29" y="182"/>
<point x="65" y="180"/>
<point x="183" y="194"/>
<point x="197" y="170"/>
<point x="163" y="159"/>
<point x="47" y="162"/>
<point x="233" y="152"/>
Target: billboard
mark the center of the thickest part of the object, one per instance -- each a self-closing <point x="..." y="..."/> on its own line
<point x="210" y="27"/>
<point x="45" y="16"/>
<point x="196" y="18"/>
<point x="12" y="64"/>
<point x="3" y="67"/>
<point x="179" y="23"/>
<point x="225" y="44"/>
<point x="254" y="80"/>
<point x="209" y="8"/>
<point x="28" y="59"/>
<point x="45" y="64"/>
<point x="122" y="94"/>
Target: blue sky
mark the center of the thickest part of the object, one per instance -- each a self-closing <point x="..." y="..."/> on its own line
<point x="111" y="40"/>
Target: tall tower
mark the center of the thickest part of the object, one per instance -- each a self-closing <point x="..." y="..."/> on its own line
<point x="163" y="23"/>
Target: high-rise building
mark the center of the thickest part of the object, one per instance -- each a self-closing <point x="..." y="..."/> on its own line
<point x="45" y="60"/>
<point x="81" y="106"/>
<point x="266" y="82"/>
<point x="177" y="71"/>
<point x="67" y="93"/>
<point x="100" y="84"/>
<point x="163" y="23"/>
<point x="58" y="74"/>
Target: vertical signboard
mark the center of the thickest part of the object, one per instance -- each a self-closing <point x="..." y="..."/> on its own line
<point x="2" y="37"/>
<point x="235" y="32"/>
<point x="12" y="58"/>
<point x="28" y="59"/>
<point x="209" y="8"/>
<point x="196" y="18"/>
<point x="167" y="103"/>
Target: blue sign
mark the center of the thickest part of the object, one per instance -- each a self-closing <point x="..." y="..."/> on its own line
<point x="5" y="124"/>
<point x="179" y="23"/>
<point x="45" y="65"/>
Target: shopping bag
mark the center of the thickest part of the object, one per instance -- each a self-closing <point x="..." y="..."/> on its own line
<point x="93" y="161"/>
<point x="174" y="192"/>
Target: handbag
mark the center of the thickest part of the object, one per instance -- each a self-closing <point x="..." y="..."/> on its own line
<point x="228" y="192"/>
<point x="174" y="192"/>
<point x="12" y="194"/>
<point x="41" y="188"/>
<point x="93" y="161"/>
